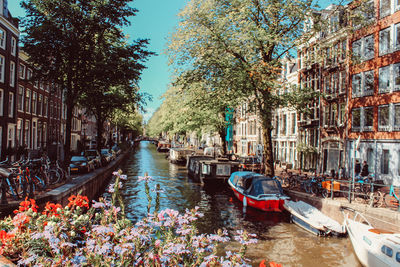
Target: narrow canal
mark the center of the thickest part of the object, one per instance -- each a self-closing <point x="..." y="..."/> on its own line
<point x="279" y="240"/>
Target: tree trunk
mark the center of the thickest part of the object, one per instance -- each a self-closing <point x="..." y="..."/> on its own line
<point x="99" y="126"/>
<point x="268" y="154"/>
<point x="68" y="124"/>
<point x="222" y="134"/>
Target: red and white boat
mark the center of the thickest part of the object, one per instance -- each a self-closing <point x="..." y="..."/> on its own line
<point x="257" y="191"/>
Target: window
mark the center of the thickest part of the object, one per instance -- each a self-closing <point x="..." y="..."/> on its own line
<point x="396" y="77"/>
<point x="13" y="46"/>
<point x="27" y="134"/>
<point x="34" y="103"/>
<point x="334" y="83"/>
<point x="20" y="98"/>
<point x="356" y="119"/>
<point x="383" y="118"/>
<point x="371" y="160"/>
<point x="2" y="67"/>
<point x="1" y="101"/>
<point x="387" y="251"/>
<point x="357" y="79"/>
<point x="397" y="36"/>
<point x="342" y="113"/>
<point x="368" y="48"/>
<point x="384" y="79"/>
<point x="29" y="74"/>
<point x="293" y="120"/>
<point x="45" y="106"/>
<point x="39" y="105"/>
<point x="398" y="256"/>
<point x="342" y="87"/>
<point x="385" y="161"/>
<point x="333" y="117"/>
<point x="10" y="104"/>
<point x="12" y="73"/>
<point x="368" y="83"/>
<point x="385" y="8"/>
<point x="343" y="50"/>
<point x="327" y="84"/>
<point x="2" y="38"/>
<point x="384" y="41"/>
<point x="22" y="71"/>
<point x="396" y="117"/>
<point x="368" y="118"/>
<point x="357" y="50"/>
<point x="28" y="101"/>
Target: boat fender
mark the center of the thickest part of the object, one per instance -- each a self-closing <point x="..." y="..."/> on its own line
<point x="245" y="201"/>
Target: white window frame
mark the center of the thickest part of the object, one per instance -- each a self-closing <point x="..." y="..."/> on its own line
<point x="395" y="127"/>
<point x="389" y="87"/>
<point x="384" y="128"/>
<point x="12" y="73"/>
<point x="385" y="50"/>
<point x="13" y="46"/>
<point x="10" y="104"/>
<point x="383" y="15"/>
<point x="364" y="47"/>
<point x="21" y="89"/>
<point x="364" y="92"/>
<point x="1" y="102"/>
<point x="22" y="69"/>
<point x="28" y="105"/>
<point x="2" y="68"/>
<point x="3" y="39"/>
<point x="358" y="128"/>
<point x="34" y="102"/>
<point x="393" y="74"/>
<point x="366" y="128"/>
<point x="396" y="42"/>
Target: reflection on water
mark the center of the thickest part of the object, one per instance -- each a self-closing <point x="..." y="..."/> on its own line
<point x="279" y="240"/>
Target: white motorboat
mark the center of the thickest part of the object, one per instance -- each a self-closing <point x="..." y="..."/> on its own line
<point x="373" y="247"/>
<point x="313" y="220"/>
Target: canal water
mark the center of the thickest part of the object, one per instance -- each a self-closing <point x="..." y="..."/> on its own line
<point x="279" y="240"/>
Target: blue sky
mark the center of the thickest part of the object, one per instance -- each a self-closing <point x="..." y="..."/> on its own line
<point x="155" y="20"/>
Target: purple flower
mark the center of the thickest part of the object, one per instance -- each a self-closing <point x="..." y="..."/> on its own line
<point x="145" y="178"/>
<point x="98" y="205"/>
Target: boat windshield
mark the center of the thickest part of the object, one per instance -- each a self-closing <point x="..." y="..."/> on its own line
<point x="261" y="187"/>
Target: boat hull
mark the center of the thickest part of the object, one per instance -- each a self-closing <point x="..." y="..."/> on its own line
<point x="267" y="204"/>
<point x="366" y="254"/>
<point x="306" y="226"/>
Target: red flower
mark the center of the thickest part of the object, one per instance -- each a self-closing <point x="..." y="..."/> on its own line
<point x="26" y="205"/>
<point x="79" y="201"/>
<point x="4" y="236"/>
<point x="51" y="209"/>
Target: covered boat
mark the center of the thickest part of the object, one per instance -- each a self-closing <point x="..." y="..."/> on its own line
<point x="313" y="220"/>
<point x="257" y="191"/>
<point x="179" y="155"/>
<point x="373" y="247"/>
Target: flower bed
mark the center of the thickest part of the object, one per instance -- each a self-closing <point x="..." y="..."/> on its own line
<point x="100" y="235"/>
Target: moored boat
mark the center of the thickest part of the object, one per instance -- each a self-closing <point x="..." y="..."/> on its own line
<point x="313" y="220"/>
<point x="373" y="247"/>
<point x="179" y="155"/>
<point x="257" y="191"/>
<point x="163" y="146"/>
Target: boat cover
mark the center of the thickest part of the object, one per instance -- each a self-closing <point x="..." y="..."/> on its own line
<point x="314" y="217"/>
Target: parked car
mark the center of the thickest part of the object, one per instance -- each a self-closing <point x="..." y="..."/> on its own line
<point x="95" y="155"/>
<point x="250" y="163"/>
<point x="81" y="164"/>
<point x="106" y="156"/>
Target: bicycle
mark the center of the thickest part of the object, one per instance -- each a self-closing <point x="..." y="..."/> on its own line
<point x="391" y="199"/>
<point x="9" y="183"/>
<point x="316" y="187"/>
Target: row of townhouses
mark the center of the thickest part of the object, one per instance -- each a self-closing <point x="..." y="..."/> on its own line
<point x="358" y="76"/>
<point x="32" y="114"/>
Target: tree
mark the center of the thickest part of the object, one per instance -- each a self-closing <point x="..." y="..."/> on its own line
<point x="61" y="37"/>
<point x="236" y="48"/>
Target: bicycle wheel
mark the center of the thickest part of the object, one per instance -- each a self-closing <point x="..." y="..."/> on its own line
<point x="54" y="177"/>
<point x="39" y="183"/>
<point x="390" y="201"/>
<point x="376" y="199"/>
<point x="324" y="192"/>
<point x="314" y="188"/>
